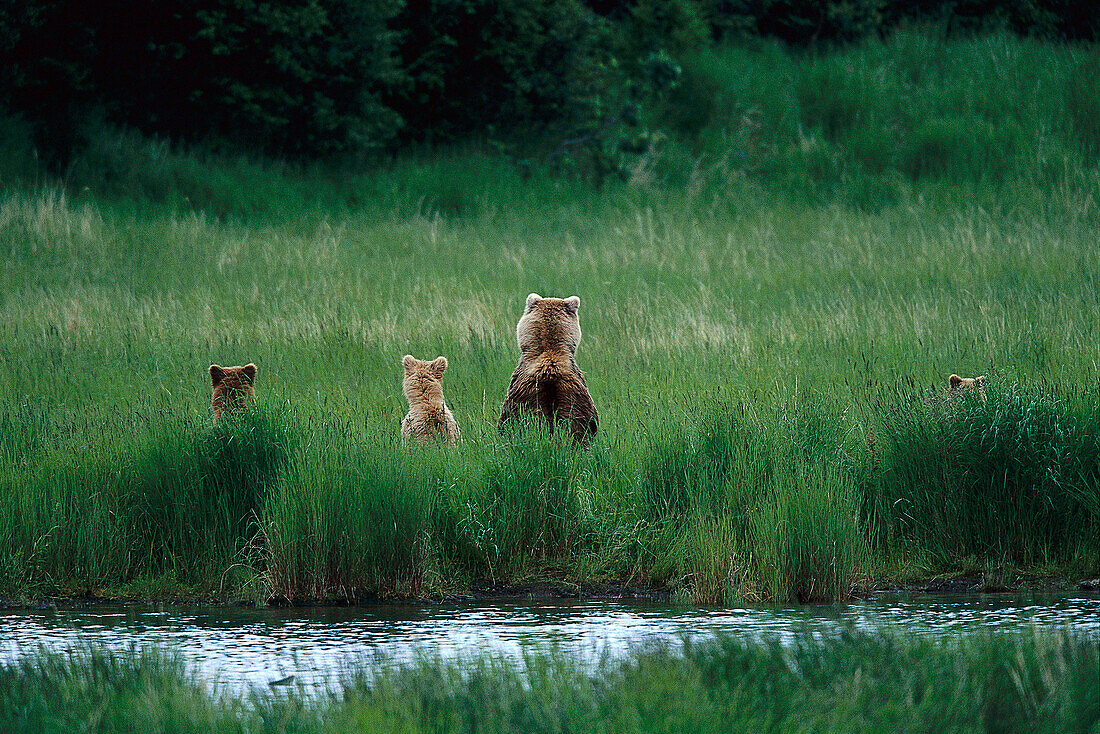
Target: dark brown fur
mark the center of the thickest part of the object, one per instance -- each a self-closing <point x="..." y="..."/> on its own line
<point x="232" y="387"/>
<point x="547" y="382"/>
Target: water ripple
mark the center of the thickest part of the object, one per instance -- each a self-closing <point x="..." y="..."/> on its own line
<point x="240" y="648"/>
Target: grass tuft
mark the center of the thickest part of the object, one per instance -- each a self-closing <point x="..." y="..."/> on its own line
<point x="1013" y="475"/>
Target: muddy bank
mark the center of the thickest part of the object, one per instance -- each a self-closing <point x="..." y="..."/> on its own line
<point x="962" y="583"/>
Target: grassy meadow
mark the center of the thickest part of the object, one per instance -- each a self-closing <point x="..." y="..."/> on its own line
<point x="771" y="306"/>
<point x="852" y="682"/>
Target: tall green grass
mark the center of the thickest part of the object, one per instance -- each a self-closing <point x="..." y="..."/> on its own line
<point x="849" y="682"/>
<point x="98" y="690"/>
<point x="353" y="518"/>
<point x="182" y="503"/>
<point x="1013" y="476"/>
<point x="771" y="308"/>
<point x="772" y="497"/>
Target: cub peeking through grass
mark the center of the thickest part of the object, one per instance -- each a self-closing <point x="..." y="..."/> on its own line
<point x="233" y="388"/>
<point x="960" y="386"/>
<point x="429" y="419"/>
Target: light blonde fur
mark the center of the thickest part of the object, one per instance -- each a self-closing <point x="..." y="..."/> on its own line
<point x="429" y="419"/>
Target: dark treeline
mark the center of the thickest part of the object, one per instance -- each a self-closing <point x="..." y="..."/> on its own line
<point x="329" y="78"/>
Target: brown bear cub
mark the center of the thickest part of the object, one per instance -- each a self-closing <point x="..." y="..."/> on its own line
<point x="960" y="385"/>
<point x="232" y="387"/>
<point x="547" y="381"/>
<point x="429" y="419"/>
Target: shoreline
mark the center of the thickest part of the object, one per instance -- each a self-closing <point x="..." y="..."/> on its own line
<point x="942" y="584"/>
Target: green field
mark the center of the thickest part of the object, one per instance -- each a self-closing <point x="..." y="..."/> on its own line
<point x="771" y="307"/>
<point x="845" y="683"/>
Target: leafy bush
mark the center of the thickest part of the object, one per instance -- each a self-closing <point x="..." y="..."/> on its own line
<point x="294" y="80"/>
<point x="501" y="63"/>
<point x="1048" y="18"/>
<point x="798" y="21"/>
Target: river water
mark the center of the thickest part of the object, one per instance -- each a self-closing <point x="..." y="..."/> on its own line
<point x="237" y="648"/>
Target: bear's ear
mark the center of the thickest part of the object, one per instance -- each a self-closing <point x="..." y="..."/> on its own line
<point x="409" y="363"/>
<point x="217" y="374"/>
<point x="979" y="381"/>
<point x="249" y="371"/>
<point x="438" y="366"/>
<point x="955" y="381"/>
<point x="573" y="304"/>
<point x="532" y="299"/>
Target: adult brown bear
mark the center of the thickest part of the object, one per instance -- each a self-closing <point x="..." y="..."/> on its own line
<point x="547" y="381"/>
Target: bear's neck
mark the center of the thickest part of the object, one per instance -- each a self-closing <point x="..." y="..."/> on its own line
<point x="426" y="396"/>
<point x="554" y="352"/>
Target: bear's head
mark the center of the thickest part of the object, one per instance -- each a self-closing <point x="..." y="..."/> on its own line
<point x="232" y="387"/>
<point x="423" y="380"/>
<point x="959" y="385"/>
<point x="549" y="324"/>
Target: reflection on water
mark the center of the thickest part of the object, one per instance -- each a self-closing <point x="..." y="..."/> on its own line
<point x="238" y="647"/>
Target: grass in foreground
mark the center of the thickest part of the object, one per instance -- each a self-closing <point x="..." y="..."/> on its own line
<point x="852" y="682"/>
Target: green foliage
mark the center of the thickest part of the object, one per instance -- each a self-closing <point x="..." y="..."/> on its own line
<point x="497" y="64"/>
<point x="748" y="303"/>
<point x="771" y="496"/>
<point x="190" y="501"/>
<point x="302" y="80"/>
<point x="336" y="78"/>
<point x="344" y="79"/>
<point x="963" y="149"/>
<point x="862" y="124"/>
<point x="101" y="691"/>
<point x="1064" y="19"/>
<point x="46" y="49"/>
<point x="183" y="503"/>
<point x="806" y="22"/>
<point x="712" y="465"/>
<point x="673" y="26"/>
<point x="807" y="536"/>
<point x="525" y="510"/>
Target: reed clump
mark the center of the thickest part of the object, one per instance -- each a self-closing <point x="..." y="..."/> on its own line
<point x="353" y="518"/>
<point x="1008" y="474"/>
<point x="756" y="505"/>
<point x="182" y="501"/>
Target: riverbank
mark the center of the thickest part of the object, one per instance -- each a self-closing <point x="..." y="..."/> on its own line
<point x="960" y="583"/>
<point x="277" y="505"/>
